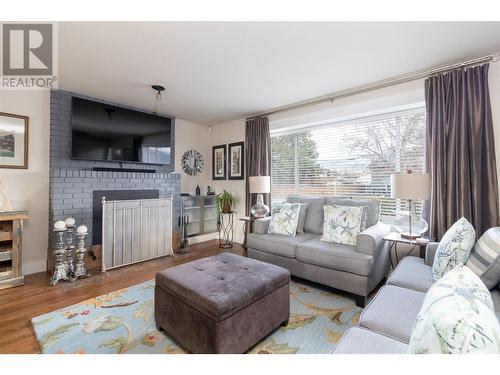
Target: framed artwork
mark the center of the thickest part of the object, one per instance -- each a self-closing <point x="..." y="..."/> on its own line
<point x="219" y="162"/>
<point x="236" y="167"/>
<point x="13" y="141"/>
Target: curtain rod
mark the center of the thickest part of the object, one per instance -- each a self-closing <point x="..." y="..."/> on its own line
<point x="424" y="73"/>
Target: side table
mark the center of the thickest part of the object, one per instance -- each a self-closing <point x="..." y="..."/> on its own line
<point x="395" y="238"/>
<point x="247" y="227"/>
<point x="226" y="230"/>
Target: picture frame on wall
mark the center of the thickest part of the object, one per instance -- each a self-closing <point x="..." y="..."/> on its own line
<point x="219" y="162"/>
<point x="13" y="141"/>
<point x="236" y="161"/>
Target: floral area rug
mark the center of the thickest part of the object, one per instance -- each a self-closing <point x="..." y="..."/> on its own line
<point x="123" y="322"/>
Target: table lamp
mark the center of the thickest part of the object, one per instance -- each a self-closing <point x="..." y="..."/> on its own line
<point x="411" y="186"/>
<point x="260" y="185"/>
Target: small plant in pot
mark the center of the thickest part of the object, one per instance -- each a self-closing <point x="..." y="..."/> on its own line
<point x="225" y="202"/>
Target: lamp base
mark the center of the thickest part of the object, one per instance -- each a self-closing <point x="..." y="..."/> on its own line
<point x="410" y="224"/>
<point x="259" y="209"/>
<point x="410" y="236"/>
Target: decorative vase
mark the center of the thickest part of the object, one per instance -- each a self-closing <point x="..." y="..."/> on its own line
<point x="259" y="209"/>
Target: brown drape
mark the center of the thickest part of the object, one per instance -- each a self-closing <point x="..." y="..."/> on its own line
<point x="460" y="153"/>
<point x="258" y="155"/>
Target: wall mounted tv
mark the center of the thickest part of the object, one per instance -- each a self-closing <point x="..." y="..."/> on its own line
<point x="110" y="133"/>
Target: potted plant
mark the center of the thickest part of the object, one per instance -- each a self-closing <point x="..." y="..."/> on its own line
<point x="225" y="202"/>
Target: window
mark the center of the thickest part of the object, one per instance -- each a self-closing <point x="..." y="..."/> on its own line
<point x="349" y="159"/>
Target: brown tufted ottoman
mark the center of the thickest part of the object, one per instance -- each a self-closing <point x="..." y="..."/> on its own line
<point x="221" y="304"/>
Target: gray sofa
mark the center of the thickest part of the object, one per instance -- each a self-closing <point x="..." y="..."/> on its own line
<point x="355" y="269"/>
<point x="386" y="324"/>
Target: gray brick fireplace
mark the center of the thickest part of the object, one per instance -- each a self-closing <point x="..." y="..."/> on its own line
<point x="73" y="182"/>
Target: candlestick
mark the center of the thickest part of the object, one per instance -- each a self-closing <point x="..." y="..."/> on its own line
<point x="70" y="268"/>
<point x="80" y="270"/>
<point x="60" y="266"/>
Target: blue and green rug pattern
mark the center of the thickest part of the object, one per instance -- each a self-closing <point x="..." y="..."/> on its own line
<point x="123" y="322"/>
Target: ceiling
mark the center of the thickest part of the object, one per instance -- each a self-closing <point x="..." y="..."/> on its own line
<point x="216" y="72"/>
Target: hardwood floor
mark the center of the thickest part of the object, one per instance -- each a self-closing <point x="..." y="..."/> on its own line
<point x="18" y="305"/>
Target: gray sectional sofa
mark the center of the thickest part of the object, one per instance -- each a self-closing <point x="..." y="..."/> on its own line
<point x="355" y="269"/>
<point x="386" y="324"/>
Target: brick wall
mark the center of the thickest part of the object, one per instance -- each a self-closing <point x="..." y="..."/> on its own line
<point x="71" y="182"/>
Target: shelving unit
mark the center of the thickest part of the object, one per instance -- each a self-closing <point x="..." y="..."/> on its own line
<point x="11" y="229"/>
<point x="202" y="214"/>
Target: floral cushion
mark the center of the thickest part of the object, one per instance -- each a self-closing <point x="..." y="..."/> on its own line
<point x="342" y="224"/>
<point x="457" y="316"/>
<point x="284" y="219"/>
<point x="454" y="248"/>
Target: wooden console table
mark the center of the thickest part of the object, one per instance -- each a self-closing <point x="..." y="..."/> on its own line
<point x="11" y="229"/>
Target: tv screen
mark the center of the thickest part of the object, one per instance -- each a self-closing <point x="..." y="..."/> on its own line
<point x="110" y="133"/>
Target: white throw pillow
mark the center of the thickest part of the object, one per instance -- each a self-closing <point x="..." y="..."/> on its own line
<point x="342" y="224"/>
<point x="457" y="316"/>
<point x="284" y="219"/>
<point x="454" y="248"/>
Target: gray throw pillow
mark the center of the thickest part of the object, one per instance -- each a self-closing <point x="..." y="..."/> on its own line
<point x="484" y="259"/>
<point x="314" y="214"/>
<point x="302" y="217"/>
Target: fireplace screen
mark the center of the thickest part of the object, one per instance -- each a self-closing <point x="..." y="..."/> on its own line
<point x="135" y="230"/>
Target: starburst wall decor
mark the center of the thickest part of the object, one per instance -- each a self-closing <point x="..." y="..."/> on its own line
<point x="192" y="162"/>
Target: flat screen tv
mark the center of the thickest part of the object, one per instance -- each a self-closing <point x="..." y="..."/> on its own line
<point x="110" y="133"/>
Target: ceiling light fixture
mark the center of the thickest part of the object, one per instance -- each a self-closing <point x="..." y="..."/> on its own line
<point x="158" y="89"/>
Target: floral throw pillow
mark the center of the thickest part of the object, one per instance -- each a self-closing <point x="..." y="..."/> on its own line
<point x="284" y="219"/>
<point x="454" y="248"/>
<point x="457" y="316"/>
<point x="342" y="224"/>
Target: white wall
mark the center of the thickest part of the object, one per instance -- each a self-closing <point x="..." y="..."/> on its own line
<point x="29" y="188"/>
<point x="189" y="135"/>
<point x="231" y="132"/>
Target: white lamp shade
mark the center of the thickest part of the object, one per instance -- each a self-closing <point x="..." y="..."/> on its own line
<point x="260" y="184"/>
<point x="410" y="186"/>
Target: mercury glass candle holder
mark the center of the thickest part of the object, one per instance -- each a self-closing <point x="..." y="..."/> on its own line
<point x="80" y="269"/>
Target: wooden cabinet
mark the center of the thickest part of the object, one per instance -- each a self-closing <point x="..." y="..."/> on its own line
<point x="201" y="213"/>
<point x="11" y="229"/>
